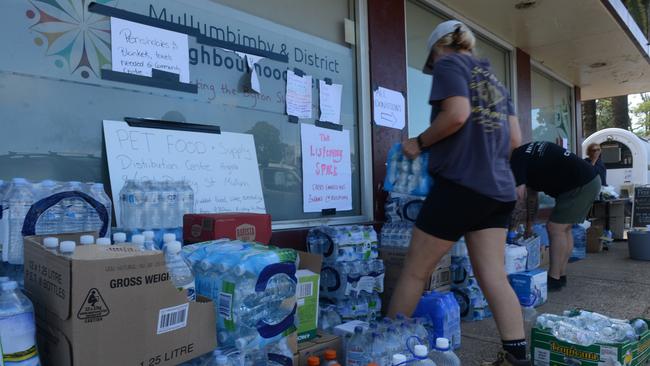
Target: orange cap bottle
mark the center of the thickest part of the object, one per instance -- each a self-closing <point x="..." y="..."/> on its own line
<point x="372" y="364"/>
<point x="313" y="361"/>
<point x="330" y="354"/>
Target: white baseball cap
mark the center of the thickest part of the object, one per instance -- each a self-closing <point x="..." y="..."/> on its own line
<point x="438" y="32"/>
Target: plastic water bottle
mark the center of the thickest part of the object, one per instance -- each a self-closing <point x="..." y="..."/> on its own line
<point x="399" y="359"/>
<point x="151" y="205"/>
<point x="422" y="354"/>
<point x="138" y="241"/>
<point x="74" y="210"/>
<point x="393" y="342"/>
<point x="356" y="349"/>
<point x="66" y="248"/>
<point x="94" y="222"/>
<point x="103" y="241"/>
<point x="186" y="197"/>
<point x="180" y="272"/>
<point x="119" y="238"/>
<point x="51" y="244"/>
<point x="169" y="204"/>
<point x="19" y="201"/>
<point x="168" y="238"/>
<point x="50" y="221"/>
<point x="87" y="240"/>
<point x="442" y="354"/>
<point x="17" y="326"/>
<point x="149" y="243"/>
<point x="377" y="349"/>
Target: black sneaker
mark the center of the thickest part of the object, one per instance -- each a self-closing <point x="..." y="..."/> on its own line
<point x="506" y="359"/>
<point x="553" y="284"/>
<point x="563" y="281"/>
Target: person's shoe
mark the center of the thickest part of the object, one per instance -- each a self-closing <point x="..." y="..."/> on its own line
<point x="506" y="359"/>
<point x="563" y="281"/>
<point x="553" y="284"/>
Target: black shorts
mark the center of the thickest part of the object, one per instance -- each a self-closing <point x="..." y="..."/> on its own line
<point x="451" y="210"/>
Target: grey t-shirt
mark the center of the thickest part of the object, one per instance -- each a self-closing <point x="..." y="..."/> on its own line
<point x="477" y="155"/>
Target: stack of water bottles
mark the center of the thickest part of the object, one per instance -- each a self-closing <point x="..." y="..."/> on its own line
<point x="442" y="315"/>
<point x="17" y="327"/>
<point x="48" y="207"/>
<point x="156" y="206"/>
<point x="254" y="291"/>
<point x="586" y="328"/>
<point x="396" y="342"/>
<point x="352" y="276"/>
<point x="470" y="298"/>
<point x="407" y="176"/>
<point x="579" y="233"/>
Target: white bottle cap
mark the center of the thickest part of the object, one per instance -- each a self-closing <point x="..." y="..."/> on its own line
<point x="398" y="359"/>
<point x="137" y="239"/>
<point x="103" y="241"/>
<point x="169" y="237"/>
<point x="174" y="247"/>
<point x="421" y="350"/>
<point x="67" y="246"/>
<point x="8" y="286"/>
<point x="149" y="235"/>
<point x="119" y="237"/>
<point x="442" y="344"/>
<point x="51" y="242"/>
<point x="87" y="240"/>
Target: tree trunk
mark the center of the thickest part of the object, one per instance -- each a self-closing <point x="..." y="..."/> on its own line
<point x="589" y="124"/>
<point x="620" y="112"/>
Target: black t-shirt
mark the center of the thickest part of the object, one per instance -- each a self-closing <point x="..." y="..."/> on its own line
<point x="549" y="168"/>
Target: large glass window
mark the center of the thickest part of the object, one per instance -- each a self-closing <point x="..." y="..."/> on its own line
<point x="420" y="21"/>
<point x="552" y="103"/>
<point x="53" y="100"/>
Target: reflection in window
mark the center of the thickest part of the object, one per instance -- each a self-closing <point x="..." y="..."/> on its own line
<point x="551" y="110"/>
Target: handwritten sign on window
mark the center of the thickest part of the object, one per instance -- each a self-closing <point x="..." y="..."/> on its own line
<point x="298" y="95"/>
<point x="389" y="108"/>
<point x="326" y="169"/>
<point x="221" y="168"/>
<point x="138" y="48"/>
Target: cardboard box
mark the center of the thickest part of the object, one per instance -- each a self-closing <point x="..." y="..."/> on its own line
<point x="307" y="297"/>
<point x="317" y="347"/>
<point x="530" y="286"/>
<point x="594" y="242"/>
<point x="113" y="305"/>
<point x="236" y="226"/>
<point x="547" y="350"/>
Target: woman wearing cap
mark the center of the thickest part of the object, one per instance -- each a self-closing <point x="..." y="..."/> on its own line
<point x="472" y="133"/>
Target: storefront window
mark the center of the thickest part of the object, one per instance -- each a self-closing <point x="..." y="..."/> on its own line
<point x="420" y="21"/>
<point x="552" y="119"/>
<point x="53" y="99"/>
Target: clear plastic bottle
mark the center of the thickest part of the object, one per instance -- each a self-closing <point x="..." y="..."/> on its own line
<point x="356" y="349"/>
<point x="119" y="238"/>
<point x="86" y="240"/>
<point x="151" y="205"/>
<point x="19" y="199"/>
<point x="66" y="248"/>
<point x="50" y="221"/>
<point x="138" y="241"/>
<point x="149" y="243"/>
<point x="127" y="204"/>
<point x="186" y="198"/>
<point x="98" y="193"/>
<point x="399" y="359"/>
<point x="17" y="326"/>
<point x="393" y="340"/>
<point x="75" y="209"/>
<point x="377" y="349"/>
<point x="51" y="244"/>
<point x="422" y="354"/>
<point x="443" y="355"/>
<point x="180" y="272"/>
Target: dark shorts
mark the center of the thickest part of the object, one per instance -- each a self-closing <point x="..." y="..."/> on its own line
<point x="452" y="210"/>
<point x="573" y="206"/>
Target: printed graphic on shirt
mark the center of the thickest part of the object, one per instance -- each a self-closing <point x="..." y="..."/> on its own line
<point x="488" y="99"/>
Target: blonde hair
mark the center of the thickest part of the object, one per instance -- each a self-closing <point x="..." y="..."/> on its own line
<point x="462" y="39"/>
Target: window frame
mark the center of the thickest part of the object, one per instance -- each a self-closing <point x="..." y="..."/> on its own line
<point x="364" y="141"/>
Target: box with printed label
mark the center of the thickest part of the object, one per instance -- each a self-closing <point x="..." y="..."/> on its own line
<point x="317" y="347"/>
<point x="198" y="228"/>
<point x="546" y="350"/>
<point x="113" y="305"/>
<point x="308" y="277"/>
<point x="530" y="287"/>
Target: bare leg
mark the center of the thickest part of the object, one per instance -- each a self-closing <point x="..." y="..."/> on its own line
<point x="569" y="250"/>
<point x="486" y="251"/>
<point x="559" y="248"/>
<point x="424" y="254"/>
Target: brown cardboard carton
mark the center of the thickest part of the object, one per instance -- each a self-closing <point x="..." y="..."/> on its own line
<point x="113" y="305"/>
<point x="594" y="243"/>
<point x="317" y="346"/>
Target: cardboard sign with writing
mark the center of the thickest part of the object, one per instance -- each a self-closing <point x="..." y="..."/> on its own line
<point x="221" y="168"/>
<point x="326" y="169"/>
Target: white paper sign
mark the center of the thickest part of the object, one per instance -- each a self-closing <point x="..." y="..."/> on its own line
<point x="221" y="168"/>
<point x="137" y="48"/>
<point x="330" y="101"/>
<point x="251" y="60"/>
<point x="389" y="108"/>
<point x="298" y="95"/>
<point x="326" y="169"/>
